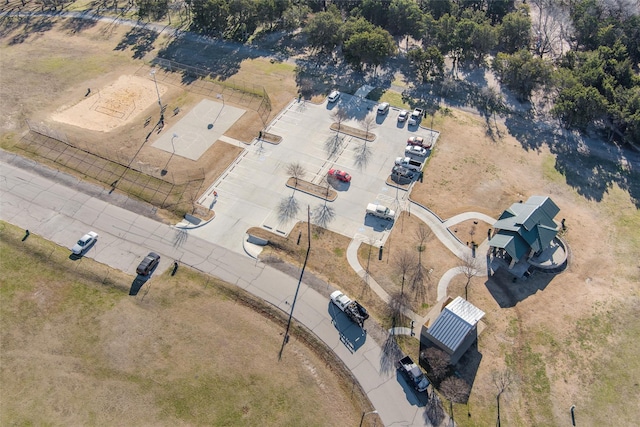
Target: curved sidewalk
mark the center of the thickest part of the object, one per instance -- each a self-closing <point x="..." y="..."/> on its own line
<point x="440" y="230"/>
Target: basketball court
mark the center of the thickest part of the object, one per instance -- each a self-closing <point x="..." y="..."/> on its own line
<point x="192" y="135"/>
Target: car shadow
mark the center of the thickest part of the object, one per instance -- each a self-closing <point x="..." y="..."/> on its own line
<point x="351" y="335"/>
<point x="378" y="224"/>
<point x="332" y="105"/>
<point x="338" y="185"/>
<point x="380" y="118"/>
<point x="415" y="398"/>
<point x="75" y="257"/>
<point x="139" y="282"/>
<point x="400" y="125"/>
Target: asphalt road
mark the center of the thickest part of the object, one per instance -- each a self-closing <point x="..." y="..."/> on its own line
<point x="61" y="209"/>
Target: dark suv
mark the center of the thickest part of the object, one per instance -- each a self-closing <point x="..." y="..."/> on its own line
<point x="148" y="263"/>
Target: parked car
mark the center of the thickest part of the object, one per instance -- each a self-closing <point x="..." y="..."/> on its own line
<point x="416" y="150"/>
<point x="419" y="141"/>
<point x="148" y="263"/>
<point x="383" y="108"/>
<point x="403" y="115"/>
<point x="333" y="96"/>
<point x="416" y="116"/>
<point x="402" y="172"/>
<point x="340" y="175"/>
<point x="84" y="243"/>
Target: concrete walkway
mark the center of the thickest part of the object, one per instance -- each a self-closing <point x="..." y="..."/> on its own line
<point x="440" y="230"/>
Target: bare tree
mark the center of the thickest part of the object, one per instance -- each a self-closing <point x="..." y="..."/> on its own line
<point x="368" y="123"/>
<point x="288" y="208"/>
<point x="470" y="267"/>
<point x="502" y="380"/>
<point x="551" y="28"/>
<point x="455" y="389"/>
<point x="422" y="234"/>
<point x="371" y="241"/>
<point x="339" y="115"/>
<point x="404" y="262"/>
<point x="438" y="362"/>
<point x="420" y="273"/>
<point x="296" y="170"/>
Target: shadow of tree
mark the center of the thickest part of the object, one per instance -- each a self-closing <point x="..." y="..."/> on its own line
<point x="434" y="413"/>
<point x="390" y="354"/>
<point x="32" y="25"/>
<point x="589" y="165"/>
<point x="219" y="60"/>
<point x="140" y="40"/>
<point x="77" y="25"/>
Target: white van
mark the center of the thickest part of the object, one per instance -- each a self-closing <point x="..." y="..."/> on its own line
<point x="383" y="108"/>
<point x="333" y="96"/>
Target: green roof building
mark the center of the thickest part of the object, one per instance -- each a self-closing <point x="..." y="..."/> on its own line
<point x="525" y="229"/>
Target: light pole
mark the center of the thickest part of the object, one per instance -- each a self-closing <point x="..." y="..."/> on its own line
<point x="364" y="414"/>
<point x="153" y="74"/>
<point x="573" y="416"/>
<point x="163" y="172"/>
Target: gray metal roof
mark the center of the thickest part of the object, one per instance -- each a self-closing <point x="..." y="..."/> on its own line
<point x="457" y="319"/>
<point x="526" y="225"/>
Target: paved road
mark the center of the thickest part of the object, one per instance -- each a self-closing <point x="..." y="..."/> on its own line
<point x="52" y="206"/>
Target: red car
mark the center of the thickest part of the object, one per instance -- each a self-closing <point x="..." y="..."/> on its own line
<point x="419" y="141"/>
<point x="341" y="175"/>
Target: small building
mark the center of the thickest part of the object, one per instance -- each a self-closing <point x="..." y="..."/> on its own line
<point x="524" y="230"/>
<point x="456" y="328"/>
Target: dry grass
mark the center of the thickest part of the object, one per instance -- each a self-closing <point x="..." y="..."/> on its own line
<point x="565" y="343"/>
<point x="188" y="350"/>
<point x="435" y="258"/>
<point x="327" y="249"/>
<point x="571" y="342"/>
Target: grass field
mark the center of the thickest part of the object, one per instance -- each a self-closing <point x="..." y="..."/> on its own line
<point x="78" y="350"/>
<point x="572" y="341"/>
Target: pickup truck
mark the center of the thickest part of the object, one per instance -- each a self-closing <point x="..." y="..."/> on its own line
<point x="380" y="211"/>
<point x="416" y="116"/>
<point x="351" y="308"/>
<point x="409" y="163"/>
<point x="414" y="374"/>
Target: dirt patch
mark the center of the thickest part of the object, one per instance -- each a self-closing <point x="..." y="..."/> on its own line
<point x="324" y="192"/>
<point x="113" y="106"/>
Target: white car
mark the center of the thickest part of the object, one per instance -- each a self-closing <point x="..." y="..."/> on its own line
<point x="84" y="243"/>
<point x="333" y="96"/>
<point x="416" y="150"/>
<point x="403" y="115"/>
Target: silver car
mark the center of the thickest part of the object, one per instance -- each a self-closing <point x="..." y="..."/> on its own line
<point x="84" y="243"/>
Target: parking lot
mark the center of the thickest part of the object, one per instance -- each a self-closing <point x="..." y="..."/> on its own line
<point x="250" y="191"/>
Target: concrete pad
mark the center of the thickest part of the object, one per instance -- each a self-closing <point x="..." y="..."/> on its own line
<point x="198" y="129"/>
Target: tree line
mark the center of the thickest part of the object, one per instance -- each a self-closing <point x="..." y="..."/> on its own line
<point x="583" y="54"/>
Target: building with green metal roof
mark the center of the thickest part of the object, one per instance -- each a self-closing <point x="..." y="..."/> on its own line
<point x="525" y="229"/>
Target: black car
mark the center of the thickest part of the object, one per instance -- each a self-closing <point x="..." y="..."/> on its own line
<point x="148" y="263"/>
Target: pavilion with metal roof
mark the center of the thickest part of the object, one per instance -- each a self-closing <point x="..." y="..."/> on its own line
<point x="455" y="328"/>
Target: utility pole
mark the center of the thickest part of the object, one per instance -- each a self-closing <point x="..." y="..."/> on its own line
<point x="285" y="340"/>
